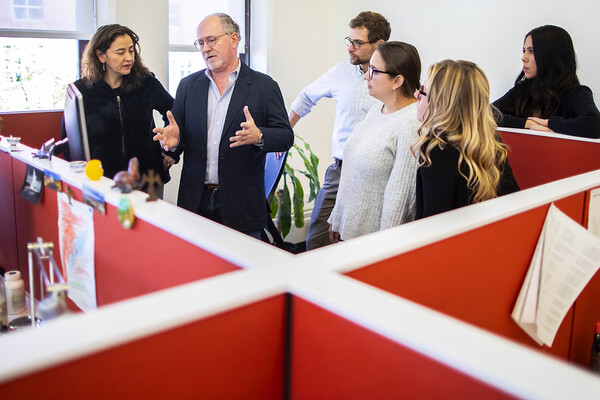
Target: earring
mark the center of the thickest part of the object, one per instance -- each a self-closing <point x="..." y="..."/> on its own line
<point x="103" y="66"/>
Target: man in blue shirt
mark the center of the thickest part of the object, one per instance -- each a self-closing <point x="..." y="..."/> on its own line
<point x="344" y="83"/>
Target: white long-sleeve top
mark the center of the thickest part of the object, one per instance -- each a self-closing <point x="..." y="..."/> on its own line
<point x="345" y="84"/>
<point x="377" y="186"/>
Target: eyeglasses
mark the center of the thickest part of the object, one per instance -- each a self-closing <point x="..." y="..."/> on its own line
<point x="209" y="40"/>
<point x="420" y="93"/>
<point x="373" y="71"/>
<point x="356" y="43"/>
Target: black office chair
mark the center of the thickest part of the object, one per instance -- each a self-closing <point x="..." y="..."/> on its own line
<point x="273" y="170"/>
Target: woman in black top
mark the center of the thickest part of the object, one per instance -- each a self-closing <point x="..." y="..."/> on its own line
<point x="119" y="96"/>
<point x="547" y="95"/>
<point x="462" y="160"/>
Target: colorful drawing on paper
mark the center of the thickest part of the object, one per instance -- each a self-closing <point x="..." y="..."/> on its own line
<point x="76" y="237"/>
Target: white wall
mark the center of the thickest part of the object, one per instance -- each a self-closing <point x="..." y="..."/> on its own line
<point x="307" y="38"/>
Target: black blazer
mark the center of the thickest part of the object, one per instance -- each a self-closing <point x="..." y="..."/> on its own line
<point x="241" y="169"/>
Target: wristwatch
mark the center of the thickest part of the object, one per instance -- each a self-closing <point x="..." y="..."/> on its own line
<point x="260" y="139"/>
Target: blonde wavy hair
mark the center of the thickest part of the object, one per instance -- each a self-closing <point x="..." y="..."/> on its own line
<point x="459" y="114"/>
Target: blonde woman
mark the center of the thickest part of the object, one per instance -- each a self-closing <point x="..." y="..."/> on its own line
<point x="462" y="160"/>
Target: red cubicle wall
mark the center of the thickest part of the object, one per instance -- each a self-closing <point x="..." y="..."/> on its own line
<point x="8" y="234"/>
<point x="235" y="355"/>
<point x="586" y="313"/>
<point x="475" y="276"/>
<point x="536" y="160"/>
<point x="333" y="358"/>
<point x="128" y="262"/>
<point x="34" y="128"/>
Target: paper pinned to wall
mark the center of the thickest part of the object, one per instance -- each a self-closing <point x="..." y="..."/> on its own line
<point x="594" y="212"/>
<point x="76" y="237"/>
<point x="566" y="257"/>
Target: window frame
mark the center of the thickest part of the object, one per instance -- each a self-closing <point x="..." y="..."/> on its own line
<point x="244" y="56"/>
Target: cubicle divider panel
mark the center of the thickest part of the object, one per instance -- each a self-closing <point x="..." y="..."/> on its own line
<point x="33" y="221"/>
<point x="128" y="262"/>
<point x="586" y="314"/>
<point x="475" y="276"/>
<point x="8" y="233"/>
<point x="238" y="354"/>
<point x="536" y="160"/>
<point x="333" y="358"/>
<point x="34" y="128"/>
<point x="144" y="259"/>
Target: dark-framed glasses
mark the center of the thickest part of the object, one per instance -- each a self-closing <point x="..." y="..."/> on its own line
<point x="209" y="40"/>
<point x="421" y="93"/>
<point x="356" y="43"/>
<point x="372" y="71"/>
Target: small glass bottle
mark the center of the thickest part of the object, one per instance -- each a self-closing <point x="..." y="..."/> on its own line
<point x="595" y="357"/>
<point x="15" y="292"/>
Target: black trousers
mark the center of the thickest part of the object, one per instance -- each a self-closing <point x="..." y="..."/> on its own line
<point x="211" y="208"/>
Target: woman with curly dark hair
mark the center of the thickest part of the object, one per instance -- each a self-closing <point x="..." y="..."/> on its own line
<point x="547" y="95"/>
<point x="119" y="96"/>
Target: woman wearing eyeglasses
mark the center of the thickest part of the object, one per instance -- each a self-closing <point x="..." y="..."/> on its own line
<point x="119" y="96"/>
<point x="377" y="185"/>
<point x="547" y="95"/>
<point x="461" y="159"/>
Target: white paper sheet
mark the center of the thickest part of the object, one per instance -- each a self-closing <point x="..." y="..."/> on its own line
<point x="567" y="256"/>
<point x="594" y="212"/>
<point x="76" y="236"/>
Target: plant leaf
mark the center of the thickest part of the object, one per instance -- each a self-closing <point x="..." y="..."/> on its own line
<point x="285" y="210"/>
<point x="274" y="205"/>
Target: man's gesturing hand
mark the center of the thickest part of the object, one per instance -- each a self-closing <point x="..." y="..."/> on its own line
<point x="169" y="135"/>
<point x="249" y="133"/>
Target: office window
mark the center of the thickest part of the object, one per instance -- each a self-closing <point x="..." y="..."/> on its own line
<point x="28" y="10"/>
<point x="39" y="50"/>
<point x="184" y="17"/>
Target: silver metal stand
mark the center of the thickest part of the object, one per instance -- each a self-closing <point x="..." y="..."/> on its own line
<point x="43" y="251"/>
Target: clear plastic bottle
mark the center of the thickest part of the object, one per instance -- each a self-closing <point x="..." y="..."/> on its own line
<point x="15" y="292"/>
<point x="3" y="309"/>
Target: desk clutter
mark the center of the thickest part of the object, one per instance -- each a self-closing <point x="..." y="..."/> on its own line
<point x="13" y="304"/>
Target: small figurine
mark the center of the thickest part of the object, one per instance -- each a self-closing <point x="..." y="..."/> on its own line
<point x="151" y="179"/>
<point x="126" y="181"/>
<point x="94" y="170"/>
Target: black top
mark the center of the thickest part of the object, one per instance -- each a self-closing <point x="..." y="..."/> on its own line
<point x="120" y="124"/>
<point x="440" y="186"/>
<point x="577" y="113"/>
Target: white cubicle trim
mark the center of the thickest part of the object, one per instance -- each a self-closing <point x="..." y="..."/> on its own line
<point x="240" y="249"/>
<point x="356" y="253"/>
<point x="77" y="335"/>
<point x="314" y="276"/>
<point x="489" y="358"/>
<point x="548" y="134"/>
<point x="500" y="363"/>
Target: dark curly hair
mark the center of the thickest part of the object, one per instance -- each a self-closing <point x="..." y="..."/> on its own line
<point x="91" y="67"/>
<point x="556" y="73"/>
<point x="378" y="26"/>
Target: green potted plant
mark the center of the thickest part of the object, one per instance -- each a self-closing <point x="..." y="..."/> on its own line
<point x="291" y="195"/>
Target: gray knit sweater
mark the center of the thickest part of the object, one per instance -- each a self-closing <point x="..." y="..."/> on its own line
<point x="377" y="186"/>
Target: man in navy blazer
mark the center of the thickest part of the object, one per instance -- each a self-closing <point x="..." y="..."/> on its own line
<point x="226" y="118"/>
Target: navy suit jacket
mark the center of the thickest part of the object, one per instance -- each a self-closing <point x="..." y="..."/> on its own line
<point x="241" y="169"/>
